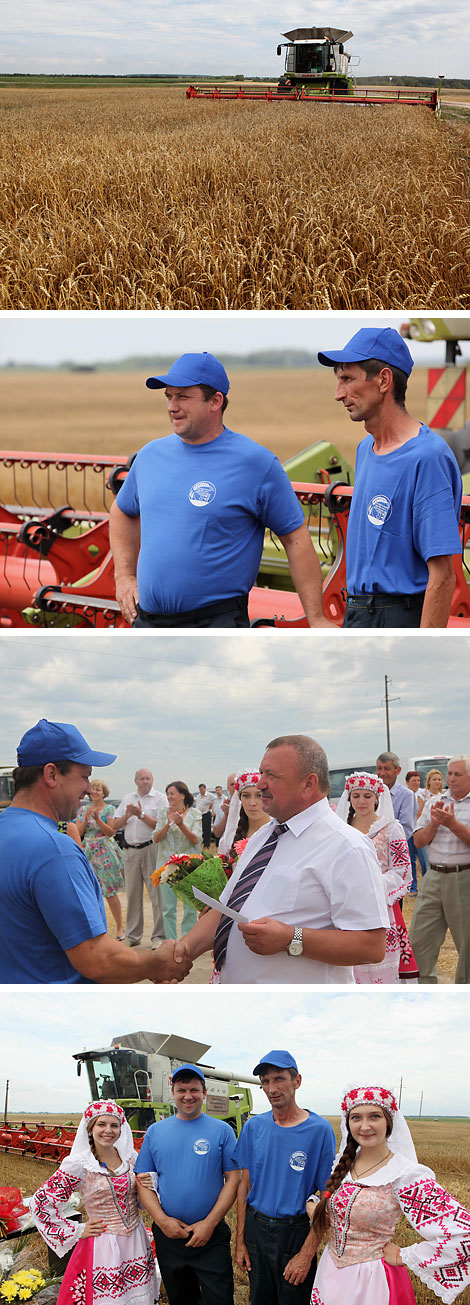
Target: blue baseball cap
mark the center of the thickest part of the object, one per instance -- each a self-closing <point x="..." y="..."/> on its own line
<point x="189" y="1069"/>
<point x="385" y="345"/>
<point x="280" y="1059"/>
<point x="51" y="740"/>
<point x="193" y="369"/>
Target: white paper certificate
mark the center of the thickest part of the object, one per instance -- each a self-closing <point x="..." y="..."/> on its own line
<point x="218" y="906"/>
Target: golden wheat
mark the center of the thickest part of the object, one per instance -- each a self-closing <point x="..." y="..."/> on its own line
<point x="136" y="198"/>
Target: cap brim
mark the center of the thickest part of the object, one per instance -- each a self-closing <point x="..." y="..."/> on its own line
<point x="341" y="356"/>
<point x="96" y="758"/>
<point x="159" y="382"/>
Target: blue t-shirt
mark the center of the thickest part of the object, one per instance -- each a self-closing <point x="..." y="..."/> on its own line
<point x="285" y="1164"/>
<point x="203" y="511"/>
<point x="190" y="1157"/>
<point x="50" y="900"/>
<point x="405" y="508"/>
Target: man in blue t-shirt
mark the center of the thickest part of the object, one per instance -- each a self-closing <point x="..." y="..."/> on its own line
<point x="187" y="528"/>
<point x="283" y="1155"/>
<point x="53" y="922"/>
<point x="192" y="1156"/>
<point x="403" y="524"/>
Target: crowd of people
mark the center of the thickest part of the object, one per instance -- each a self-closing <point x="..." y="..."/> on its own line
<point x="312" y="893"/>
<point x="291" y="1190"/>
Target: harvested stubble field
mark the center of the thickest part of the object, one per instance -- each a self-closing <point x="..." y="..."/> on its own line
<point x="135" y="198"/>
<point x="441" y="1144"/>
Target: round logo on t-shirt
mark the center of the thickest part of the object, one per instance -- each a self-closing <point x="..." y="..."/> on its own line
<point x="202" y="493"/>
<point x="379" y="510"/>
<point x="201" y="1146"/>
<point x="298" y="1160"/>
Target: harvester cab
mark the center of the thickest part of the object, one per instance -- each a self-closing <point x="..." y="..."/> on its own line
<point x="315" y="56"/>
<point x="136" y="1071"/>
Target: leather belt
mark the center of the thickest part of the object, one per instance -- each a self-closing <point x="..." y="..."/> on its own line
<point x="378" y="601"/>
<point x="136" y="846"/>
<point x="449" y="869"/>
<point x="282" y="1218"/>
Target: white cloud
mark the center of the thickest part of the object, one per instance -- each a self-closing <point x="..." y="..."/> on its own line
<point x="337" y="1038"/>
<point x="400" y="36"/>
<point x="198" y="706"/>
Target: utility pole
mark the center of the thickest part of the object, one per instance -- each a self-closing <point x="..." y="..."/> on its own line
<point x="387" y="716"/>
<point x="5" y="1108"/>
<point x="401" y="1080"/>
<point x="421" y="1106"/>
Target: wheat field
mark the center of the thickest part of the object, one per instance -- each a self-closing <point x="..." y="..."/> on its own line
<point x="134" y="198"/>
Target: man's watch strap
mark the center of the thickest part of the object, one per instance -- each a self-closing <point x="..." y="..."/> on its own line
<point x="296" y="946"/>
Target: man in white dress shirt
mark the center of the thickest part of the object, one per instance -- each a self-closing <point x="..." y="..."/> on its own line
<point x="444" y="899"/>
<point x="318" y="907"/>
<point x="137" y="814"/>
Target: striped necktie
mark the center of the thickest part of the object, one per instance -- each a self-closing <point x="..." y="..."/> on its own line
<point x="245" y="885"/>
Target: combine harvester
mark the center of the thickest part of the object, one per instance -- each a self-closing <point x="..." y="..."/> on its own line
<point x="317" y="72"/>
<point x="135" y="1071"/>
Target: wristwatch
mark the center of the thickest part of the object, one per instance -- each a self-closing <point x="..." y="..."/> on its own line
<point x="296" y="946"/>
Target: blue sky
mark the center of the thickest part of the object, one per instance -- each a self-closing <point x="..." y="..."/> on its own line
<point x="337" y="1038"/>
<point x="198" y="707"/>
<point x="50" y="338"/>
<point x="201" y="36"/>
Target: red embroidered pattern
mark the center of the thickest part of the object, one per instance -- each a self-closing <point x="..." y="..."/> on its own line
<point x="131" y="1273"/>
<point x="425" y="1203"/>
<point x="399" y="853"/>
<point x="340" y="1211"/>
<point x="47" y="1200"/>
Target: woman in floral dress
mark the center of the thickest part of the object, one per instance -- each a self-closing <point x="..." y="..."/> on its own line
<point x="178" y="830"/>
<point x="112" y="1259"/>
<point x="367" y="806"/>
<point x="100" y="846"/>
<point x="376" y="1179"/>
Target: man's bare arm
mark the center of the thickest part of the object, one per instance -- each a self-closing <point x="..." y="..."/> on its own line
<point x="124" y="539"/>
<point x="306" y="574"/>
<point x="439" y="591"/>
<point x="200" y="938"/>
<point x="104" y="960"/>
<point x="331" y="946"/>
<point x="242" y="1257"/>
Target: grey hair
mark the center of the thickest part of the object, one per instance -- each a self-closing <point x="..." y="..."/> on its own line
<point x="311" y="756"/>
<point x="389" y="756"/>
<point x="460" y="756"/>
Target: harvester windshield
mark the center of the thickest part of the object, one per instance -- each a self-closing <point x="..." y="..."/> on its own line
<point x="116" y="1074"/>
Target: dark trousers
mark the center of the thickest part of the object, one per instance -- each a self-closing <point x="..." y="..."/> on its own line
<point x="229" y="613"/>
<point x="199" y="1276"/>
<point x="207" y="828"/>
<point x="382" y="611"/>
<point x="271" y="1243"/>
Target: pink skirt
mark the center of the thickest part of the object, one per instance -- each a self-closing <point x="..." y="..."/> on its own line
<point x="372" y="1282"/>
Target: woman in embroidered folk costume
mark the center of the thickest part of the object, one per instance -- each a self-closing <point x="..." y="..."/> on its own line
<point x="112" y="1258"/>
<point x="376" y="1179"/>
<point x="367" y="806"/>
<point x="246" y="813"/>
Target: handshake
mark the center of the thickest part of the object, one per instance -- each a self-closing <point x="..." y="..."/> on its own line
<point x="170" y="962"/>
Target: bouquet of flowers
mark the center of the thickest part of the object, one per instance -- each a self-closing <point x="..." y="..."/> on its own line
<point x="184" y="872"/>
<point x="22" y="1285"/>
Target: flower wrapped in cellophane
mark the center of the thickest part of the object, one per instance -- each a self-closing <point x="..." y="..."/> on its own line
<point x="185" y="872"/>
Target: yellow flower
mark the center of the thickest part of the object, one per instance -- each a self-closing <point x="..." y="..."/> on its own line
<point x="24" y="1293"/>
